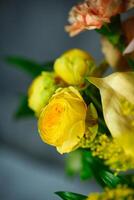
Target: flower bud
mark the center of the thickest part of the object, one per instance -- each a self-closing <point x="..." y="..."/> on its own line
<point x="62" y="121"/>
<point x="73" y="66"/>
<point x="117" y="94"/>
<point x="40" y="91"/>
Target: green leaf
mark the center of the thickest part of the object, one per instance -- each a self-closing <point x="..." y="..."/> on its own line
<point x="70" y="196"/>
<point x="101" y="172"/>
<point x="109" y="179"/>
<point x="86" y="171"/>
<point x="92" y="94"/>
<point x="23" y="109"/>
<point x="30" y="67"/>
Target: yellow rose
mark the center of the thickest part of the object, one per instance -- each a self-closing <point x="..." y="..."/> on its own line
<point x="117" y="94"/>
<point x="62" y="121"/>
<point x="40" y="91"/>
<point x="73" y="66"/>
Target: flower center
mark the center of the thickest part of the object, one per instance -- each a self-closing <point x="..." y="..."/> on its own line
<point x="53" y="115"/>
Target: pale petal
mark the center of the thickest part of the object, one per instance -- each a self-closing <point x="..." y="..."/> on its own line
<point x="117" y="94"/>
<point x="129" y="48"/>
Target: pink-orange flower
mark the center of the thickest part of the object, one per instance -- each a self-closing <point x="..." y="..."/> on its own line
<point x="92" y="14"/>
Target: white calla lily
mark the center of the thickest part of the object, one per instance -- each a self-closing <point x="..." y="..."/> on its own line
<point x="117" y="94"/>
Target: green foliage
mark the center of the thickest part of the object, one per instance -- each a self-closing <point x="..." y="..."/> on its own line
<point x="23" y="109"/>
<point x="77" y="164"/>
<point x="129" y="180"/>
<point x="113" y="33"/>
<point x="73" y="163"/>
<point x="30" y="67"/>
<point x="86" y="170"/>
<point x="92" y="94"/>
<point x="131" y="63"/>
<point x="33" y="69"/>
<point x="102" y="173"/>
<point x="87" y="166"/>
<point x="70" y="196"/>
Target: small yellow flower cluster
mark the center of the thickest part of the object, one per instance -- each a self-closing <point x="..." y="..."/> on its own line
<point x="119" y="193"/>
<point x="91" y="127"/>
<point x="127" y="108"/>
<point x="110" y="151"/>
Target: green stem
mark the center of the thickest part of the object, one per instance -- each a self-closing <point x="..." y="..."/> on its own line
<point x="101" y="69"/>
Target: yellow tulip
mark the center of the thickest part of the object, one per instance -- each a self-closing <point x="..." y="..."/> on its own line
<point x="117" y="94"/>
<point x="73" y="66"/>
<point x="40" y="91"/>
<point x="62" y="121"/>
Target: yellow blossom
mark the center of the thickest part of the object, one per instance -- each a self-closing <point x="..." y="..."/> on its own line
<point x="62" y="121"/>
<point x="73" y="66"/>
<point x="119" y="193"/>
<point x="117" y="94"/>
<point x="112" y="153"/>
<point x="40" y="91"/>
<point x="91" y="127"/>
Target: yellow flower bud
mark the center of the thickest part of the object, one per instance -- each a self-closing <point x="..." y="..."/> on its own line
<point x="40" y="91"/>
<point x="62" y="121"/>
<point x="117" y="93"/>
<point x="73" y="66"/>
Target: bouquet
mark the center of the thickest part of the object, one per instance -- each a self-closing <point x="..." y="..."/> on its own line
<point x="83" y="112"/>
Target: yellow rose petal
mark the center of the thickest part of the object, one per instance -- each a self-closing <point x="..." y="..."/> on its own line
<point x="62" y="121"/>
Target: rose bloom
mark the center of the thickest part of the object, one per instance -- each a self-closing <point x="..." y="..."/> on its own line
<point x="62" y="121"/>
<point x="73" y="66"/>
<point x="92" y="14"/>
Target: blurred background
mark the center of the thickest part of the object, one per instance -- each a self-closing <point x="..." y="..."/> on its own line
<point x="34" y="29"/>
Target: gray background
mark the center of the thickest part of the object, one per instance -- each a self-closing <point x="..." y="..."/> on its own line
<point x="30" y="169"/>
